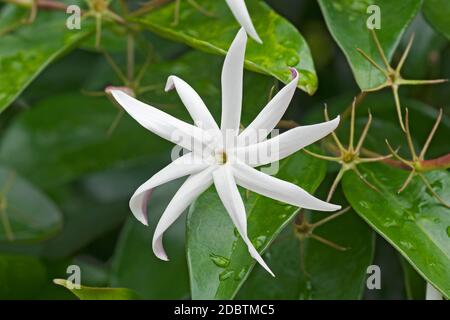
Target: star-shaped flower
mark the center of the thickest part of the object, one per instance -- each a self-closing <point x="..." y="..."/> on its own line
<point x="223" y="156"/>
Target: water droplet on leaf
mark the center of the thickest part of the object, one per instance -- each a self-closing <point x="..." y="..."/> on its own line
<point x="225" y="275"/>
<point x="219" y="261"/>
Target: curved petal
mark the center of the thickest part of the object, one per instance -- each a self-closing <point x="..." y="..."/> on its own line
<point x="194" y="104"/>
<point x="232" y="77"/>
<point x="277" y="189"/>
<point x="191" y="189"/>
<point x="241" y="14"/>
<point x="181" y="167"/>
<point x="161" y="123"/>
<point x="285" y="144"/>
<point x="272" y="113"/>
<point x="231" y="199"/>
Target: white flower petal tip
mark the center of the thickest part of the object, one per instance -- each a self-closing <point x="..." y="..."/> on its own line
<point x="294" y="73"/>
<point x="170" y="85"/>
<point x="158" y="249"/>
<point x="240" y="12"/>
<point x="330" y="207"/>
<point x="111" y="89"/>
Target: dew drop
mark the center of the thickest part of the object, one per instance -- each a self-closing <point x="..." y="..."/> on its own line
<point x="219" y="261"/>
<point x="407" y="245"/>
<point x="241" y="274"/>
<point x="364" y="204"/>
<point x="225" y="275"/>
<point x="292" y="61"/>
<point x="258" y="242"/>
<point x="389" y="223"/>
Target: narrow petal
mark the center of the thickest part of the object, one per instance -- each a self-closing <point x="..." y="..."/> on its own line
<point x="161" y="123"/>
<point x="231" y="199"/>
<point x="188" y="192"/>
<point x="241" y="14"/>
<point x="193" y="102"/>
<point x="285" y="144"/>
<point x="181" y="167"/>
<point x="232" y="77"/>
<point x="277" y="189"/>
<point x="272" y="113"/>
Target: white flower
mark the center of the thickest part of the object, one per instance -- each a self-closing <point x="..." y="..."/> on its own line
<point x="241" y="14"/>
<point x="223" y="156"/>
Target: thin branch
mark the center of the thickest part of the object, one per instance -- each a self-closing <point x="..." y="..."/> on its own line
<point x="356" y="170"/>
<point x="319" y="156"/>
<point x="408" y="136"/>
<point x="328" y="242"/>
<point x="430" y="136"/>
<point x="329" y="218"/>
<point x="362" y="138"/>
<point x="335" y="183"/>
<point x="380" y="50"/>
<point x="405" y="54"/>
<point x="407" y="181"/>
<point x="430" y="188"/>
<point x="398" y="106"/>
<point x="372" y="62"/>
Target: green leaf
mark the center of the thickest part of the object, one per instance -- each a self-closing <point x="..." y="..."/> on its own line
<point x="437" y="13"/>
<point x="66" y="136"/>
<point x="21" y="277"/>
<point x="92" y="293"/>
<point x="134" y="264"/>
<point x="27" y="51"/>
<point x="414" y="284"/>
<point x="26" y="214"/>
<point x="283" y="45"/>
<point x="313" y="270"/>
<point x="218" y="259"/>
<point x="346" y="20"/>
<point x="413" y="221"/>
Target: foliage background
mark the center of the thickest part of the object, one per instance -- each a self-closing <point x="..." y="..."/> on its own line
<point x="75" y="172"/>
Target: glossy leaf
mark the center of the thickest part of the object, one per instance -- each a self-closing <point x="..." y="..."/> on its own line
<point x="28" y="50"/>
<point x="437" y="13"/>
<point x="283" y="46"/>
<point x="413" y="221"/>
<point x="346" y="20"/>
<point x="313" y="270"/>
<point x="26" y="214"/>
<point x="92" y="293"/>
<point x="218" y="259"/>
<point x="134" y="264"/>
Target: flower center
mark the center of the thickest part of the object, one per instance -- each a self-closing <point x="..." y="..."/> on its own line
<point x="221" y="157"/>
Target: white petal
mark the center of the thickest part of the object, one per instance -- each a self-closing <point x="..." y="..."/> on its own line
<point x="241" y="14"/>
<point x="432" y="293"/>
<point x="194" y="104"/>
<point x="232" y="75"/>
<point x="277" y="189"/>
<point x="285" y="144"/>
<point x="231" y="199"/>
<point x="181" y="167"/>
<point x="161" y="123"/>
<point x="272" y="113"/>
<point x="191" y="189"/>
